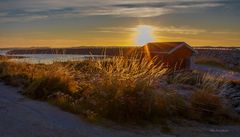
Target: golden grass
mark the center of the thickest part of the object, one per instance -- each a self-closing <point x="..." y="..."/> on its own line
<point x="203" y="81"/>
<point x="205" y="103"/>
<point x="3" y="58"/>
<point x="118" y="88"/>
<point x="209" y="107"/>
<point x="123" y="88"/>
<point x="38" y="77"/>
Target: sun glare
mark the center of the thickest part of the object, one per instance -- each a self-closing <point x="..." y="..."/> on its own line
<point x="144" y="35"/>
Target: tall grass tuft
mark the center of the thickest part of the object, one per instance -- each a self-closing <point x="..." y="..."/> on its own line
<point x="39" y="80"/>
<point x="212" y="83"/>
<point x="203" y="81"/>
<point x="124" y="88"/>
<point x="56" y="78"/>
<point x="209" y="107"/>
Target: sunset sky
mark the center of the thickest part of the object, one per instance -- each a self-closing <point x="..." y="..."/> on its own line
<point x="70" y="23"/>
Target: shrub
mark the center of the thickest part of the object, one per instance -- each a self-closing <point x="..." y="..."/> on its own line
<point x="170" y="104"/>
<point x="43" y="87"/>
<point x="39" y="80"/>
<point x="187" y="77"/>
<point x="213" y="83"/>
<point x="55" y="79"/>
<point x="207" y="106"/>
<point x="124" y="88"/>
<point x="204" y="81"/>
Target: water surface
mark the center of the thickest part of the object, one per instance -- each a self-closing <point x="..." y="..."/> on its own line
<point x="48" y="58"/>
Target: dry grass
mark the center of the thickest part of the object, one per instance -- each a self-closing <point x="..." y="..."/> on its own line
<point x="203" y="81"/>
<point x="215" y="84"/>
<point x="118" y="88"/>
<point x="3" y="58"/>
<point x="123" y="88"/>
<point x="209" y="107"/>
<point x="205" y="104"/>
<point x="38" y="80"/>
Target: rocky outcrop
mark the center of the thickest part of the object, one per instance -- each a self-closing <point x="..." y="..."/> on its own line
<point x="229" y="56"/>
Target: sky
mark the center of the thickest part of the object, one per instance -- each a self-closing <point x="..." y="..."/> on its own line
<point x="73" y="23"/>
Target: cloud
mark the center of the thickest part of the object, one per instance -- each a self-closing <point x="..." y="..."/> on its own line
<point x="181" y="30"/>
<point x="25" y="42"/>
<point x="23" y="18"/>
<point x="30" y="10"/>
<point x="174" y="4"/>
<point x="163" y="29"/>
<point x="128" y="12"/>
<point x="225" y="33"/>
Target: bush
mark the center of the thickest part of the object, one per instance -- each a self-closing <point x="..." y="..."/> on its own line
<point x="206" y="106"/>
<point x="124" y="88"/>
<point x="203" y="81"/>
<point x="43" y="87"/>
<point x="122" y="103"/>
<point x="38" y="80"/>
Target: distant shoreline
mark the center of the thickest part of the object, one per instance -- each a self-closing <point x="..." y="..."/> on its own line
<point x="92" y="50"/>
<point x="117" y="46"/>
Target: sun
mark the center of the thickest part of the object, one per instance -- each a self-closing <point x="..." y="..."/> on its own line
<point x="144" y="34"/>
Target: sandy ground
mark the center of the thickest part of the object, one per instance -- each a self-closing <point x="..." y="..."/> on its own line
<point x="22" y="117"/>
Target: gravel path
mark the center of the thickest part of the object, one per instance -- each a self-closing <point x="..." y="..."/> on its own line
<point x="22" y="117"/>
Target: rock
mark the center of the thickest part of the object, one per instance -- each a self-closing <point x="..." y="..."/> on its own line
<point x="230" y="58"/>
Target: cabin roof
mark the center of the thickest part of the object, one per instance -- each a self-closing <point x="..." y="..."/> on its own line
<point x="166" y="47"/>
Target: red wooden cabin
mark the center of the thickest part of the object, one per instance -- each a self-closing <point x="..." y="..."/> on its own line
<point x="175" y="55"/>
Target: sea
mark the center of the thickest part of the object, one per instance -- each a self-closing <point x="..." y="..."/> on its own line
<point x="48" y="58"/>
